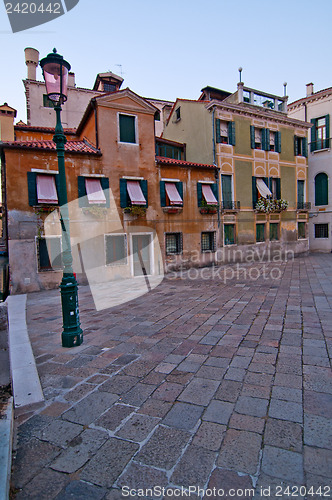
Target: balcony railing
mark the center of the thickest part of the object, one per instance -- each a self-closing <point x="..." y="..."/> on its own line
<point x="303" y="205"/>
<point x="320" y="144"/>
<point x="230" y="205"/>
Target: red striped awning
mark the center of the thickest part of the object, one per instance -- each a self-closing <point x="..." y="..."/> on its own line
<point x="135" y="193"/>
<point x="46" y="189"/>
<point x="208" y="195"/>
<point x="94" y="191"/>
<point x="173" y="193"/>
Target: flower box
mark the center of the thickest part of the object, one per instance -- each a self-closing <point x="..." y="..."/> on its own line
<point x="172" y="210"/>
<point x="207" y="210"/>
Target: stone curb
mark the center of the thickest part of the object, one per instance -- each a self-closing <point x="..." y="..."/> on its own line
<point x="6" y="440"/>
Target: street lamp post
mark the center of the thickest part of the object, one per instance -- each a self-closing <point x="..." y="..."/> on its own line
<point x="55" y="72"/>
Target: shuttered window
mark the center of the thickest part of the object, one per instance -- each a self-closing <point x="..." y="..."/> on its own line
<point x="116" y="249"/>
<point x="127" y="128"/>
<point x="125" y="199"/>
<point x="225" y="132"/>
<point x="274" y="231"/>
<point x="260" y="232"/>
<point x="49" y="254"/>
<point x="201" y="200"/>
<point x="320" y="133"/>
<point x="93" y="190"/>
<point x="321" y="189"/>
<point x="165" y="199"/>
<point x="226" y="187"/>
<point x="229" y="234"/>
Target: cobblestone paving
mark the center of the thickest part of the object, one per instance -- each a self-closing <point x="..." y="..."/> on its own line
<point x="201" y="383"/>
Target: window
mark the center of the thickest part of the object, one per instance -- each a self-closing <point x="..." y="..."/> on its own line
<point x="127" y="126"/>
<point x="300" y="146"/>
<point x="321" y="230"/>
<point x="226" y="189"/>
<point x="264" y="187"/>
<point x="229" y="234"/>
<point x="225" y="132"/>
<point x="263" y="138"/>
<point x="49" y="253"/>
<point x="321" y="189"/>
<point x="168" y="151"/>
<point x="178" y="114"/>
<point x="300" y="194"/>
<point x="208" y="241"/>
<point x="47" y="103"/>
<point x="274" y="231"/>
<point x="116" y="249"/>
<point x="260" y="233"/>
<point x="173" y="243"/>
<point x="274" y="187"/>
<point x="93" y="191"/>
<point x="42" y="189"/>
<point x="207" y="194"/>
<point x="171" y="193"/>
<point x="133" y="192"/>
<point x="157" y="116"/>
<point x="301" y="230"/>
<point x="109" y="87"/>
<point x="320" y="133"/>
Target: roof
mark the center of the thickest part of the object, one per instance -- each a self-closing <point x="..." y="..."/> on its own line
<point x="34" y="128"/>
<point x="222" y="94"/>
<point x="168" y="141"/>
<point x="319" y="93"/>
<point x="161" y="160"/>
<point x="182" y="100"/>
<point x="82" y="147"/>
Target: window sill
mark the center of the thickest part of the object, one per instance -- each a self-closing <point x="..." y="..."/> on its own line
<point x="320" y="150"/>
<point x="128" y="143"/>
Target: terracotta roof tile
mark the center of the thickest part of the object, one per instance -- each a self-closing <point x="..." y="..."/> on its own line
<point x="23" y="126"/>
<point x="70" y="146"/>
<point x="161" y="160"/>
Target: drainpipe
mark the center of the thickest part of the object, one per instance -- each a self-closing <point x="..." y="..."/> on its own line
<point x="216" y="173"/>
<point x="93" y="102"/>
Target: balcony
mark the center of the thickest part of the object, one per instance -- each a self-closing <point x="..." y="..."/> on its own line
<point x="303" y="205"/>
<point x="320" y="145"/>
<point x="230" y="205"/>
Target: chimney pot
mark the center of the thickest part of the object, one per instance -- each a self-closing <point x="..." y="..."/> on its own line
<point x="310" y="89"/>
<point x="31" y="60"/>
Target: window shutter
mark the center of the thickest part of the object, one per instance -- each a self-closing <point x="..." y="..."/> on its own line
<point x="226" y="186"/>
<point x="321" y="189"/>
<point x="278" y="141"/>
<point x="252" y="136"/>
<point x="82" y="199"/>
<point x="270" y="184"/>
<point x="266" y="139"/>
<point x="327" y="124"/>
<point x="231" y="133"/>
<point x="199" y="194"/>
<point x="123" y="194"/>
<point x="179" y="186"/>
<point x="214" y="188"/>
<point x="105" y="184"/>
<point x="305" y="147"/>
<point x="57" y="185"/>
<point x="32" y="188"/>
<point x="278" y="188"/>
<point x="218" y="139"/>
<point x="266" y="180"/>
<point x="144" y="188"/>
<point x="162" y="194"/>
<point x="254" y="192"/>
<point x="300" y="192"/>
<point x="296" y="149"/>
<point x="313" y="135"/>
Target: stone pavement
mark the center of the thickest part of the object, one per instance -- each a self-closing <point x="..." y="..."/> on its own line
<point x="211" y="381"/>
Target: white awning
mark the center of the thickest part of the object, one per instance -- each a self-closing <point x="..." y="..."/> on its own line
<point x="208" y="195"/>
<point x="94" y="191"/>
<point x="173" y="193"/>
<point x="262" y="188"/>
<point x="46" y="189"/>
<point x="135" y="193"/>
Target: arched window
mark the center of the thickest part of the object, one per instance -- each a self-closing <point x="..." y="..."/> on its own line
<point x="321" y="189"/>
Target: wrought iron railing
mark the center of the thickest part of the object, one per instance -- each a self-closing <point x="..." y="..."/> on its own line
<point x="303" y="205"/>
<point x="230" y="205"/>
<point x="320" y="144"/>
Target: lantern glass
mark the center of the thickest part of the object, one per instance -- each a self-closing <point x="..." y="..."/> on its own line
<point x="55" y="72"/>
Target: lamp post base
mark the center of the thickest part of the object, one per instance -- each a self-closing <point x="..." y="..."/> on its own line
<point x="72" y="335"/>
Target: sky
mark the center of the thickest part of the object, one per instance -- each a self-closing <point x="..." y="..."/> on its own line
<point x="174" y="48"/>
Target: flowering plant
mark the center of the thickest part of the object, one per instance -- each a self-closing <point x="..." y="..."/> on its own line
<point x="268" y="206"/>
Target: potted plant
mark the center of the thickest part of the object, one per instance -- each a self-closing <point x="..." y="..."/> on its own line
<point x="267" y="206"/>
<point x="208" y="209"/>
<point x="135" y="210"/>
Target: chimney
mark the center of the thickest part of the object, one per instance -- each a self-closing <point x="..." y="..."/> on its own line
<point x="31" y="60"/>
<point x="7" y="115"/>
<point x="71" y="79"/>
<point x="310" y="89"/>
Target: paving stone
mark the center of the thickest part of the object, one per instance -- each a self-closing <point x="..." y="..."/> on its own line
<point x="199" y="391"/>
<point x="140" y="477"/>
<point x="317" y="461"/>
<point x="139" y="368"/>
<point x="256" y="407"/>
<point x="262" y="368"/>
<point x="179" y="377"/>
<point x="170" y="441"/>
<point x="286" y="410"/>
<point x="229" y="390"/>
<point x="30" y="458"/>
<point x="287" y="394"/>
<point x="288" y="380"/>
<point x="247" y="423"/>
<point x="318" y="431"/>
<point x="225" y="481"/>
<point x="81" y="491"/>
<point x="218" y="412"/>
<point x="237" y="374"/>
<point x="78" y="392"/>
<point x="89" y="408"/>
<point x="240" y="362"/>
<point x="97" y="379"/>
<point x="256" y="391"/>
<point x="138" y="427"/>
<point x="125" y="359"/>
<point x="183" y="416"/>
<point x="168" y="391"/>
<point x="119" y="384"/>
<point x="211" y="372"/>
<point x="45" y="485"/>
<point x="165" y="368"/>
<point x="320" y="381"/>
<point x="59" y="432"/>
<point x="273" y="487"/>
<point x="283" y="464"/>
<point x="209" y="436"/>
<point x="258" y="379"/>
<point x="156" y="408"/>
<point x="194" y="467"/>
<point x="138" y="394"/>
<point x="116" y="494"/>
<point x="154" y="378"/>
<point x="218" y="362"/>
<point x="80" y="450"/>
<point x="32" y="427"/>
<point x="321" y="485"/>
<point x="188" y="366"/>
<point x="55" y="409"/>
<point x="113" y="417"/>
<point x="317" y="403"/>
<point x="240" y="451"/>
<point x="283" y="434"/>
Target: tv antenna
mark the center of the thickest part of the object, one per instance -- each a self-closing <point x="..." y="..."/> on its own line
<point x="121" y="71"/>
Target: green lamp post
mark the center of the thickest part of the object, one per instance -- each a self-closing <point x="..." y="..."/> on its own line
<point x="55" y="71"/>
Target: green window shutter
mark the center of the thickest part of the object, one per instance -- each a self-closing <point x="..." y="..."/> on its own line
<point x="123" y="193"/>
<point x="179" y="187"/>
<point x="266" y="139"/>
<point x="199" y="194"/>
<point x="218" y="139"/>
<point x="278" y="141"/>
<point x="254" y="192"/>
<point x="313" y="146"/>
<point x="266" y="180"/>
<point x="270" y="184"/>
<point x="305" y="147"/>
<point x="226" y="187"/>
<point x="260" y="232"/>
<point x="252" y="136"/>
<point x="57" y="185"/>
<point x="214" y="188"/>
<point x="162" y="194"/>
<point x="43" y="257"/>
<point x="300" y="192"/>
<point x="321" y="189"/>
<point x="32" y="188"/>
<point x="105" y="184"/>
<point x="327" y="123"/>
<point x="82" y="198"/>
<point x="296" y="148"/>
<point x="229" y="234"/>
<point x="278" y="188"/>
<point x="231" y="133"/>
<point x="127" y="128"/>
<point x="144" y="188"/>
<point x="274" y="231"/>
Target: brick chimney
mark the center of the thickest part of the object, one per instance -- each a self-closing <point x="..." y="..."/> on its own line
<point x="7" y="115"/>
<point x="71" y="79"/>
<point x="310" y="89"/>
<point x="31" y="60"/>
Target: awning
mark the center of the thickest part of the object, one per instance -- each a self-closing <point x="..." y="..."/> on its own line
<point x="46" y="189"/>
<point x="94" y="191"/>
<point x="173" y="194"/>
<point x="135" y="193"/>
<point x="208" y="195"/>
<point x="262" y="188"/>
